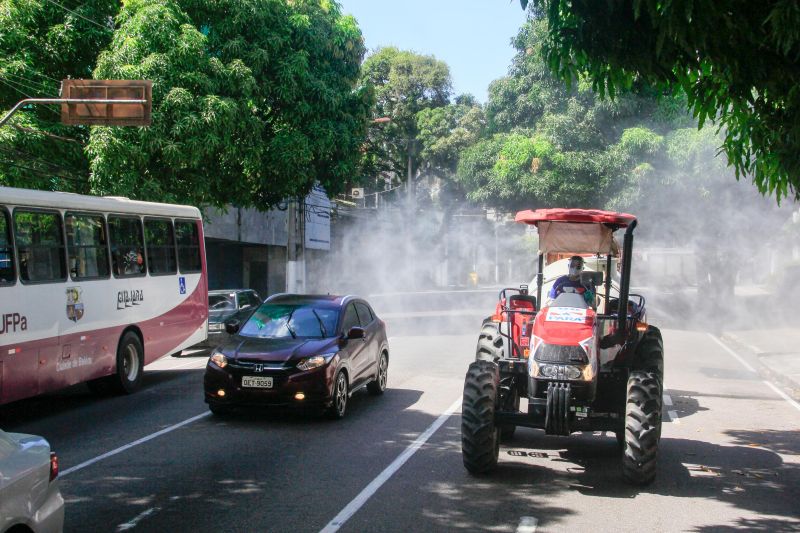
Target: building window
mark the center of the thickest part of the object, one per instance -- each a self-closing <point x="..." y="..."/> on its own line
<point x="40" y="243"/>
<point x="188" y="239"/>
<point x="87" y="246"/>
<point x="127" y="246"/>
<point x="160" y="246"/>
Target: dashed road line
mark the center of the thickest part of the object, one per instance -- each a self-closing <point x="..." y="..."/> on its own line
<point x="673" y="416"/>
<point x="138" y="518"/>
<point x="667" y="400"/>
<point x="132" y="444"/>
<point x="351" y="508"/>
<point x="527" y="524"/>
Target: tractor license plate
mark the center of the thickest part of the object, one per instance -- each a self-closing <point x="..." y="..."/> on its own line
<point x="258" y="382"/>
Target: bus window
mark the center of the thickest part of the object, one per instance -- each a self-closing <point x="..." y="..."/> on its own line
<point x="186" y="235"/>
<point x="87" y="246"/>
<point x="40" y="245"/>
<point x="7" y="273"/>
<point x="127" y="246"/>
<point x="160" y="246"/>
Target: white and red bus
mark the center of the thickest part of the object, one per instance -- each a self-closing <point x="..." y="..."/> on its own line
<point x="92" y="289"/>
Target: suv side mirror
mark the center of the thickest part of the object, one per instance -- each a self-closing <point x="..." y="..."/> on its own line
<point x="232" y="326"/>
<point x="355" y="333"/>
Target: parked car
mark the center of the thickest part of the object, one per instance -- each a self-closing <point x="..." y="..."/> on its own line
<point x="299" y="351"/>
<point x="224" y="305"/>
<point x="30" y="499"/>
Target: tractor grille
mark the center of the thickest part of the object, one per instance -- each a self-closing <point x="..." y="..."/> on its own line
<point x="556" y="353"/>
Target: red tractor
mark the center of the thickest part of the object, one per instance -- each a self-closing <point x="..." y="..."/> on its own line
<point x="583" y="366"/>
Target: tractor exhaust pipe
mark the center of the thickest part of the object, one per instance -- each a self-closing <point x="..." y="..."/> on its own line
<point x="625" y="282"/>
<point x="539" y="281"/>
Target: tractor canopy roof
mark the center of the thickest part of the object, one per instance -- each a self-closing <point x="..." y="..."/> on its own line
<point x="576" y="230"/>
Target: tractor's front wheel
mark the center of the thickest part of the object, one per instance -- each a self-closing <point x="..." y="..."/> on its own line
<point x="480" y="436"/>
<point x="642" y="427"/>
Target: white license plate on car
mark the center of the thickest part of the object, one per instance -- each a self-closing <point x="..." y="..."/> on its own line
<point x="258" y="382"/>
<point x="215" y="327"/>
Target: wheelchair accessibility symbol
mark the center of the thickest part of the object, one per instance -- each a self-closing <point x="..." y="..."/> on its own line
<point x="182" y="285"/>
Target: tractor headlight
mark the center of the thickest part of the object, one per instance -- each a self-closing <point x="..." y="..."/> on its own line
<point x="550" y="371"/>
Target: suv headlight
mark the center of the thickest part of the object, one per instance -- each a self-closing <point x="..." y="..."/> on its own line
<point x="218" y="359"/>
<point x="316" y="361"/>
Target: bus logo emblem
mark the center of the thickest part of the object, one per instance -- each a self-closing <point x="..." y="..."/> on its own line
<point x="74" y="304"/>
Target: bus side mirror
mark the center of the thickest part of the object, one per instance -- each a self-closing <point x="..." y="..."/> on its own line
<point x="232" y="327"/>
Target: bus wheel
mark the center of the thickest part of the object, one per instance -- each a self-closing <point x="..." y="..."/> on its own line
<point x="130" y="364"/>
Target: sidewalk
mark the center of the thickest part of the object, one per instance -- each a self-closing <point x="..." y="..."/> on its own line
<point x="776" y="350"/>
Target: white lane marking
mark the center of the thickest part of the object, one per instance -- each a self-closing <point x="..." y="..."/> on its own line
<point x="138" y="518"/>
<point x="527" y="524"/>
<point x="783" y="395"/>
<point x="132" y="444"/>
<point x="734" y="354"/>
<point x="667" y="400"/>
<point x="769" y="384"/>
<point x="673" y="416"/>
<point x="196" y="362"/>
<point x="352" y="507"/>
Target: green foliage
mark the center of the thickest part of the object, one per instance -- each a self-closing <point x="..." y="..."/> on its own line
<point x="253" y="101"/>
<point x="735" y="62"/>
<point x="404" y="84"/>
<point x="559" y="146"/>
<point x="41" y="44"/>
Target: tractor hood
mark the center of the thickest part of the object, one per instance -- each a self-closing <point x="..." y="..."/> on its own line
<point x="564" y="325"/>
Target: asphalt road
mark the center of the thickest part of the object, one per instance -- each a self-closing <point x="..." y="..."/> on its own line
<point x="730" y="452"/>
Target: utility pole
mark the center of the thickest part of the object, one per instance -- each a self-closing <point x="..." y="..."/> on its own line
<point x="291" y="247"/>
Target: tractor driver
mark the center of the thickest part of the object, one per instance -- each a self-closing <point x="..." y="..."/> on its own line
<point x="572" y="282"/>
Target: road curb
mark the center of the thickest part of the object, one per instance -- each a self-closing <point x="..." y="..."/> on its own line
<point x="789" y="385"/>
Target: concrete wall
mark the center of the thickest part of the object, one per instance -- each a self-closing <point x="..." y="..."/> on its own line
<point x="247" y="225"/>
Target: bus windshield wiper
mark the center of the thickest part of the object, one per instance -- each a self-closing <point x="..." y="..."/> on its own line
<point x="321" y="324"/>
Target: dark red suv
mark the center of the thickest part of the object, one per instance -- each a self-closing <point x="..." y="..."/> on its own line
<point x="299" y="351"/>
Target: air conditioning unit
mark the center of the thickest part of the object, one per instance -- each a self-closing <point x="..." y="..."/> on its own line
<point x="357" y="193"/>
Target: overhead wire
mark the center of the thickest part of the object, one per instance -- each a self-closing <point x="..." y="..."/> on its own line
<point x="36" y="159"/>
<point x="87" y="19"/>
<point x="11" y="84"/>
<point x="41" y="172"/>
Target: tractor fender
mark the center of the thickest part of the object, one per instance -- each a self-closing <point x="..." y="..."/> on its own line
<point x="649" y="352"/>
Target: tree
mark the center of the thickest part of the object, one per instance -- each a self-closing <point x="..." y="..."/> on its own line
<point x="404" y="84"/>
<point x="41" y="43"/>
<point x="254" y="101"/>
<point x="736" y="63"/>
<point x="552" y="145"/>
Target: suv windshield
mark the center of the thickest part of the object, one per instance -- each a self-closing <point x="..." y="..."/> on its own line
<point x="221" y="301"/>
<point x="276" y="321"/>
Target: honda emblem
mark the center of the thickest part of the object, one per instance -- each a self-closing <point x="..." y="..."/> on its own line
<point x="259" y="367"/>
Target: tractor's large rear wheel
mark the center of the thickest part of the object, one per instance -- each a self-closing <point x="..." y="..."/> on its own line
<point x="480" y="436"/>
<point x="490" y="343"/>
<point x="642" y="427"/>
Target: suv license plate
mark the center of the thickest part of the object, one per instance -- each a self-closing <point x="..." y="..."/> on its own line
<point x="257" y="382"/>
